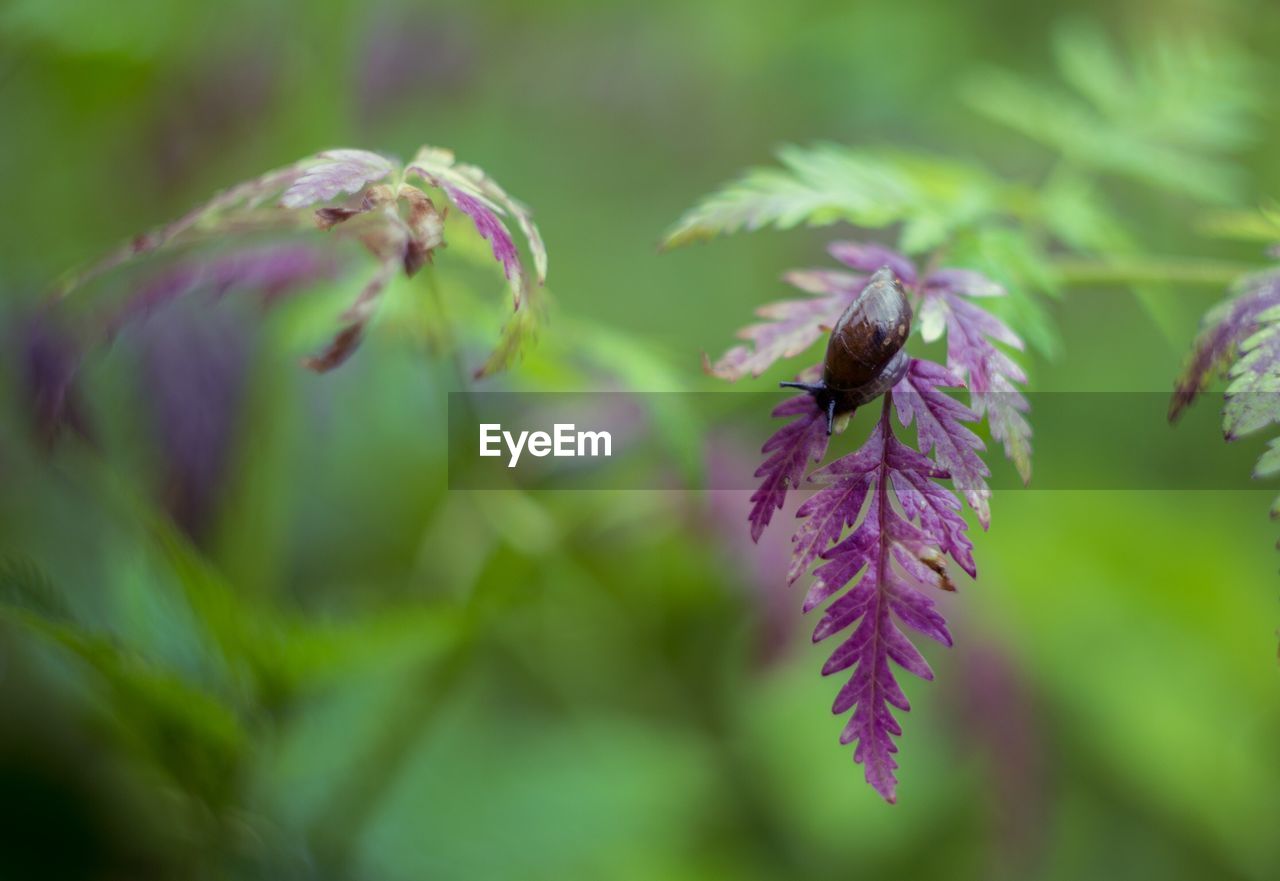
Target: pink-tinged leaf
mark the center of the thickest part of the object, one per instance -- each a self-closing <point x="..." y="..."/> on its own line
<point x="826" y="281"/>
<point x="904" y="524"/>
<point x="991" y="376"/>
<point x="492" y="230"/>
<point x="49" y="360"/>
<point x="869" y="256"/>
<point x="792" y="326"/>
<point x="939" y="430"/>
<point x="791" y="449"/>
<point x="965" y="281"/>
<point x="523" y="216"/>
<point x="440" y="169"/>
<point x="1243" y="332"/>
<point x="273" y="272"/>
<point x="1253" y="396"/>
<point x="335" y="172"/>
<point x="1223" y="331"/>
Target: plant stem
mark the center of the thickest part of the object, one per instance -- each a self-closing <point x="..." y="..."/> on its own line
<point x="1076" y="271"/>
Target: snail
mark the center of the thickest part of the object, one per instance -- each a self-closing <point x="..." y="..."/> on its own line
<point x="864" y="354"/>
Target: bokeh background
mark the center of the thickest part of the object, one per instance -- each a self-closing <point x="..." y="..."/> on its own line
<point x="249" y="633"/>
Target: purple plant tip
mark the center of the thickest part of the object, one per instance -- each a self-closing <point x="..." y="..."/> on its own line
<point x="491" y="229"/>
<point x="273" y="272"/>
<point x="194" y="372"/>
<point x="49" y="361"/>
<point x="790" y="450"/>
<point x="1224" y="330"/>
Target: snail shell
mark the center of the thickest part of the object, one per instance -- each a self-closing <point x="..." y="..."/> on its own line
<point x="864" y="353"/>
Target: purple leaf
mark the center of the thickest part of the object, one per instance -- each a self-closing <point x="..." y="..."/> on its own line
<point x="49" y="361"/>
<point x="991" y="375"/>
<point x="793" y="325"/>
<point x="335" y="172"/>
<point x="194" y="373"/>
<point x="939" y="431"/>
<point x="964" y="281"/>
<point x="869" y="256"/>
<point x="828" y="514"/>
<point x="273" y="272"/>
<point x="1223" y="331"/>
<point x="790" y="449"/>
<point x="491" y="229"/>
<point x="1244" y="332"/>
<point x="894" y="550"/>
<point x="439" y="169"/>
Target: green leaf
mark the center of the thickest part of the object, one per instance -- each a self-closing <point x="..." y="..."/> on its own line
<point x="24" y="585"/>
<point x="192" y="734"/>
<point x="1254" y="225"/>
<point x="1165" y="116"/>
<point x="825" y="184"/>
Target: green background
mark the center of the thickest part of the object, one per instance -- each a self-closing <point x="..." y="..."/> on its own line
<point x="350" y="672"/>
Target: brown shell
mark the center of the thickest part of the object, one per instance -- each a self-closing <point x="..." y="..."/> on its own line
<point x="869" y="334"/>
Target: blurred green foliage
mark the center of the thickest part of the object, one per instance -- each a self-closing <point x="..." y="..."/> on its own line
<point x="350" y="671"/>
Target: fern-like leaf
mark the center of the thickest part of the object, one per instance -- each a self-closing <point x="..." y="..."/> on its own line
<point x="1222" y="332"/>
<point x="1253" y="395"/>
<point x="480" y="198"/>
<point x="790" y="450"/>
<point x="939" y="430"/>
<point x="1163" y="114"/>
<point x="883" y="526"/>
<point x="335" y="172"/>
<point x="991" y="375"/>
<point x="1242" y="337"/>
<point x="791" y="326"/>
<point x="825" y="184"/>
<point x="910" y="525"/>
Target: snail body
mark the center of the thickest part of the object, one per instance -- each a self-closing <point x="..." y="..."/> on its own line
<point x="864" y="356"/>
